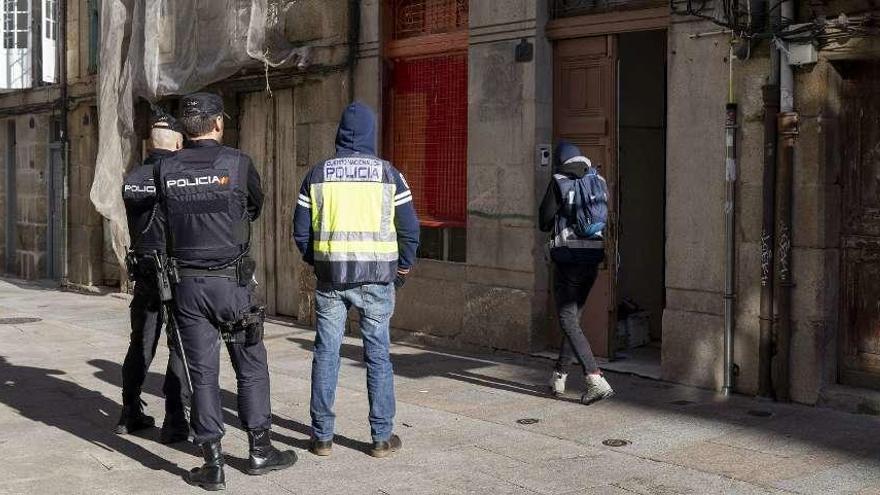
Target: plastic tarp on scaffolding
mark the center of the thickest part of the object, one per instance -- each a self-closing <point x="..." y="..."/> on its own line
<point x="156" y="48"/>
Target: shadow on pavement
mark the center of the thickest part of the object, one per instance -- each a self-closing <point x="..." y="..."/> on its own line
<point x="825" y="428"/>
<point x="111" y="373"/>
<point x="41" y="395"/>
<point x="441" y="364"/>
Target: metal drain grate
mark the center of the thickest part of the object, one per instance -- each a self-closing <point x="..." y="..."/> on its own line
<point x="18" y="320"/>
<point x="616" y="442"/>
<point x="528" y="421"/>
<point x="682" y="402"/>
<point x="760" y="414"/>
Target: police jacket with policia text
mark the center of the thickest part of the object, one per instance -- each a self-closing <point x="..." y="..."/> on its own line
<point x="145" y="224"/>
<point x="354" y="220"/>
<point x="209" y="194"/>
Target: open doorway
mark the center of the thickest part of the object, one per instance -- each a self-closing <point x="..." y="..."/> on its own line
<point x="641" y="197"/>
<point x="610" y="100"/>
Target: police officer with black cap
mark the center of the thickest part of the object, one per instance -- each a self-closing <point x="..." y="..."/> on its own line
<point x="147" y="244"/>
<point x="210" y="193"/>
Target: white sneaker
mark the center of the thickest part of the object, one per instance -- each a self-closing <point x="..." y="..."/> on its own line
<point x="597" y="389"/>
<point x="557" y="383"/>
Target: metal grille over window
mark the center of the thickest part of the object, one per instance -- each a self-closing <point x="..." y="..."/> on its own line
<point x="424" y="17"/>
<point x="15" y="24"/>
<point x="429" y="143"/>
<point x="568" y="8"/>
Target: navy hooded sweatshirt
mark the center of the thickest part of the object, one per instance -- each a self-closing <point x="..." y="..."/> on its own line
<point x="357" y="136"/>
<point x="567" y="160"/>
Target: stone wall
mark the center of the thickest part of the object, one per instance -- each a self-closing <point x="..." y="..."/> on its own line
<point x="693" y="324"/>
<point x="816" y="234"/>
<point x="693" y="320"/>
<point x="503" y="189"/>
<point x="78" y="36"/>
<point x="497" y="298"/>
<point x="3" y="200"/>
<point x="31" y="194"/>
<point x="85" y="238"/>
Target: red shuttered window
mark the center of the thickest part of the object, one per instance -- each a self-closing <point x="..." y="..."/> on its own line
<point x="426" y="106"/>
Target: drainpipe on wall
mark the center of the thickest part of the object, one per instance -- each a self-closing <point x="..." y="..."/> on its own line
<point x="788" y="133"/>
<point x="768" y="225"/>
<point x="730" y="128"/>
<point x="65" y="140"/>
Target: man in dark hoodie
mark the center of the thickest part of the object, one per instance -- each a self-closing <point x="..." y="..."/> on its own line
<point x="575" y="266"/>
<point x="356" y="225"/>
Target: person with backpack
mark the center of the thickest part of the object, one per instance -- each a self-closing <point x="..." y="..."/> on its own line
<point x="575" y="211"/>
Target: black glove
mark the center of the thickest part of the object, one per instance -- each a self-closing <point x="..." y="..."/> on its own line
<point x="400" y="280"/>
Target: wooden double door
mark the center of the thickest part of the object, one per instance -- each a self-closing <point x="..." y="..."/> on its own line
<point x="860" y="292"/>
<point x="585" y="114"/>
<point x="266" y="133"/>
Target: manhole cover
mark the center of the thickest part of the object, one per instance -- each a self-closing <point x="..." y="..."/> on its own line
<point x="616" y="442"/>
<point x="760" y="414"/>
<point x="18" y="320"/>
<point x="528" y="421"/>
<point x="682" y="402"/>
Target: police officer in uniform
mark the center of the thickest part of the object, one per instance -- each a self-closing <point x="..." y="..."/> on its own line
<point x="148" y="239"/>
<point x="210" y="193"/>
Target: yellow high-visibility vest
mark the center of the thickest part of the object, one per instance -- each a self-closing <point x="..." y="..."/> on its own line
<point x="352" y="205"/>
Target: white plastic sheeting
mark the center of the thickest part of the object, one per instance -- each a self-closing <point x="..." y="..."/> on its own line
<point x="156" y="48"/>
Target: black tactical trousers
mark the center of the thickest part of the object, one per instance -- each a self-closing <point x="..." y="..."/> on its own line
<point x="203" y="303"/>
<point x="146" y="328"/>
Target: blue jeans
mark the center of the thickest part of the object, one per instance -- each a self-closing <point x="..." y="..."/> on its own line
<point x="375" y="303"/>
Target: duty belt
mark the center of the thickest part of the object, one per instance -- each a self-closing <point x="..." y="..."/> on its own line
<point x="228" y="272"/>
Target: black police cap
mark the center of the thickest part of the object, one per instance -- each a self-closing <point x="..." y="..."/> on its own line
<point x="162" y="120"/>
<point x="205" y="104"/>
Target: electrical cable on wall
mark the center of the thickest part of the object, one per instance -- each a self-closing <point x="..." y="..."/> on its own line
<point x="822" y="32"/>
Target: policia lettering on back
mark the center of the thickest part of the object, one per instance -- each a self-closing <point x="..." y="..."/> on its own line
<point x="209" y="194"/>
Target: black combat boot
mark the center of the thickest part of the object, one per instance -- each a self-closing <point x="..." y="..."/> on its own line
<point x="174" y="430"/>
<point x="264" y="457"/>
<point x="133" y="419"/>
<point x="210" y="476"/>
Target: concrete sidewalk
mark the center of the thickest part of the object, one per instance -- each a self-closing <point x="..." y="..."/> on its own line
<point x="458" y="416"/>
